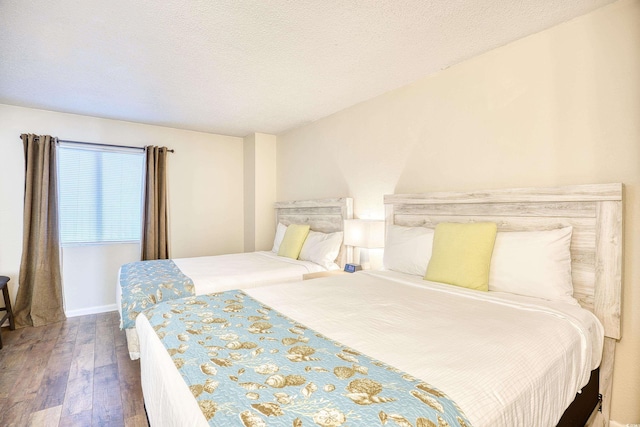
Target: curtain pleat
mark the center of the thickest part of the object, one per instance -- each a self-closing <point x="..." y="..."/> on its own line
<point x="39" y="300"/>
<point x="155" y="242"/>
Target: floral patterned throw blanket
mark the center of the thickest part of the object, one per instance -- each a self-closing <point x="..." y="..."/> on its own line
<point x="146" y="283"/>
<point x="247" y="364"/>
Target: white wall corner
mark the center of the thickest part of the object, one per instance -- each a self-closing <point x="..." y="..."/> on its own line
<point x="259" y="191"/>
<point x="265" y="195"/>
<point x="249" y="170"/>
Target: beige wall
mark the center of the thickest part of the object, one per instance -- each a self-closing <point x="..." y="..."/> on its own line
<point x="259" y="191"/>
<point x="250" y="193"/>
<point x="265" y="191"/>
<point x="559" y="107"/>
<point x="205" y="181"/>
<point x="90" y="275"/>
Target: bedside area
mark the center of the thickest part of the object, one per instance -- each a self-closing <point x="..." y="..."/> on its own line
<point x="319" y="274"/>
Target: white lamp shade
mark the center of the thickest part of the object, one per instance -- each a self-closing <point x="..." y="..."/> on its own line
<point x="364" y="233"/>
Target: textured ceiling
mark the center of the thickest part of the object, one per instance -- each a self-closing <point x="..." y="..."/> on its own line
<point x="235" y="67"/>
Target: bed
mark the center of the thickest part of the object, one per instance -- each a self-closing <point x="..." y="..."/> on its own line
<point x="403" y="325"/>
<point x="203" y="275"/>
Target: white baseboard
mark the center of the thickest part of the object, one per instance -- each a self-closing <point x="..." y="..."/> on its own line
<point x="613" y="423"/>
<point x="91" y="310"/>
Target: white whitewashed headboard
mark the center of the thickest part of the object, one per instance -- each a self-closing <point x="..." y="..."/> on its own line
<point x="325" y="215"/>
<point x="594" y="212"/>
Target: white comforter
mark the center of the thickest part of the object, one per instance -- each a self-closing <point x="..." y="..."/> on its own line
<point x="244" y="270"/>
<point x="505" y="360"/>
<point x="231" y="271"/>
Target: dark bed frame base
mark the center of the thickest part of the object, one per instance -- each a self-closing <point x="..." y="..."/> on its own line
<point x="583" y="405"/>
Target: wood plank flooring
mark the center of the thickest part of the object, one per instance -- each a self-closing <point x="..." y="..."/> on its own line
<point x="71" y="373"/>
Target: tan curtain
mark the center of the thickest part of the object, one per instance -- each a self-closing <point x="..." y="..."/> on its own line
<point x="155" y="242"/>
<point x="39" y="299"/>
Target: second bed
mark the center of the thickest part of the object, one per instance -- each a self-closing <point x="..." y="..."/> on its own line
<point x="203" y="275"/>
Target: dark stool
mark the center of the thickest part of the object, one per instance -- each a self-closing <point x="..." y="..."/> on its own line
<point x="7" y="305"/>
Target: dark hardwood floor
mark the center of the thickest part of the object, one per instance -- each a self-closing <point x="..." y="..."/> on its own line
<point x="71" y="373"/>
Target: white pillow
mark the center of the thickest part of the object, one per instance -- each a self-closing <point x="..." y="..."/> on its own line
<point x="321" y="248"/>
<point x="279" y="236"/>
<point x="533" y="263"/>
<point x="408" y="249"/>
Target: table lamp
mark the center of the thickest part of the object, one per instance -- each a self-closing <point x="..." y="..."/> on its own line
<point x="363" y="234"/>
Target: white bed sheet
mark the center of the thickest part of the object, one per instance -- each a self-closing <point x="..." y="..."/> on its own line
<point x="506" y="360"/>
<point x="231" y="271"/>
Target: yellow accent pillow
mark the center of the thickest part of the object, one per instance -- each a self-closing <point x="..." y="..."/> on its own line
<point x="462" y="254"/>
<point x="293" y="240"/>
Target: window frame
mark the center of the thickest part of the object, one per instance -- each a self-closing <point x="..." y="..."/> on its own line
<point x="101" y="148"/>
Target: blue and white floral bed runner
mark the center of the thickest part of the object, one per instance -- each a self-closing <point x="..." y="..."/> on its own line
<point x="146" y="283"/>
<point x="247" y="364"/>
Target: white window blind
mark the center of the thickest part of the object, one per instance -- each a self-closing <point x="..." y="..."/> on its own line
<point x="99" y="194"/>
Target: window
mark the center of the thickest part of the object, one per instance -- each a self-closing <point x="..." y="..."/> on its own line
<point x="99" y="194"/>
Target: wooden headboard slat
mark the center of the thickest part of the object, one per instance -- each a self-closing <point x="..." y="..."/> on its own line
<point x="571" y="193"/>
<point x="608" y="291"/>
<point x="512" y="223"/>
<point x="329" y="210"/>
<point x="338" y="202"/>
<point x="548" y="209"/>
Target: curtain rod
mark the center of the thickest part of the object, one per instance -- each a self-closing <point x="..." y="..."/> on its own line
<point x="107" y="145"/>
